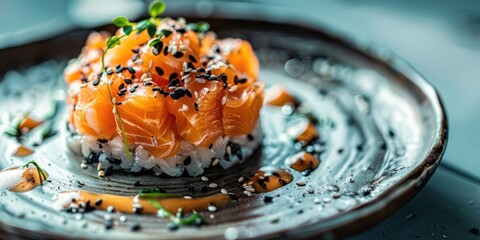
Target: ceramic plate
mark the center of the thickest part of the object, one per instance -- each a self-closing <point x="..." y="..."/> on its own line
<point x="382" y="131"/>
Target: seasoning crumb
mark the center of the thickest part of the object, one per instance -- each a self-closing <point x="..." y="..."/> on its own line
<point x="301" y="183"/>
<point x="268" y="199"/>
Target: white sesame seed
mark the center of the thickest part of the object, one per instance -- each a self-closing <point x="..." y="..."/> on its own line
<point x="139" y="62"/>
<point x="301" y="183"/>
<point x="155" y="51"/>
<point x="224" y="191"/>
<point x="187" y="197"/>
<point x="101" y="173"/>
<point x="233" y="88"/>
<point x="316" y="200"/>
<point x="148" y="79"/>
<point x="150" y="64"/>
<point x="212" y="208"/>
<point x="250" y="189"/>
<point x="213" y="185"/>
<point x="247" y="193"/>
<point x="99" y="166"/>
<point x="215" y="162"/>
<point x="241" y="179"/>
<point x="203" y="178"/>
<point x="196" y="94"/>
<point x="123" y="218"/>
<point x="200" y="80"/>
<point x="143" y="76"/>
<point x="83" y="165"/>
<point x="184" y="108"/>
<point x="110" y="82"/>
<point x="114" y="100"/>
<point x="114" y="110"/>
<point x="224" y="100"/>
<point x="155" y="94"/>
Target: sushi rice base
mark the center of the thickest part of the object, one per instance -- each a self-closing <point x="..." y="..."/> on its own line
<point x="112" y="153"/>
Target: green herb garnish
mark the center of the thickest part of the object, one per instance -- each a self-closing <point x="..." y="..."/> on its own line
<point x="41" y="173"/>
<point x="199" y="27"/>
<point x="14" y="129"/>
<point x="154" y="194"/>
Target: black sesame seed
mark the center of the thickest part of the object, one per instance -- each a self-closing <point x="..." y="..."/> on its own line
<point x="135" y="50"/>
<point x="159" y="71"/>
<point x="98" y="202"/>
<point x="137" y="184"/>
<point x="200" y="69"/>
<point x="223" y="77"/>
<point x="181" y="30"/>
<point x="192" y="58"/>
<point x="210" y="146"/>
<point x="135" y="226"/>
<point x="128" y="81"/>
<point x="137" y="209"/>
<point x="180" y="92"/>
<point x="250" y="137"/>
<point x="188" y="93"/>
<point x="165" y="51"/>
<point x="174" y="96"/>
<point x="242" y="80"/>
<point x="190" y="65"/>
<point x="178" y="55"/>
<point x="172" y="226"/>
<point x="195" y="105"/>
<point x="173" y="76"/>
<point x="340" y="150"/>
<point x="108" y="225"/>
<point x="133" y="88"/>
<point x="135" y="57"/>
<point x="187" y="161"/>
<point x="102" y="140"/>
<point x="96" y="81"/>
<point x="147" y="83"/>
<point x="283" y="182"/>
<point x="119" y="69"/>
<point x="122" y="86"/>
<point x="391" y="133"/>
<point x="233" y="196"/>
<point x="131" y="70"/>
<point x="475" y="231"/>
<point x="109" y="171"/>
<point x="109" y="71"/>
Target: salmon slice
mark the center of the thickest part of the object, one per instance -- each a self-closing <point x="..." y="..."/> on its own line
<point x="166" y="62"/>
<point x="93" y="114"/>
<point x="198" y="114"/>
<point x="242" y="109"/>
<point x="240" y="55"/>
<point x="119" y="55"/>
<point x="146" y="120"/>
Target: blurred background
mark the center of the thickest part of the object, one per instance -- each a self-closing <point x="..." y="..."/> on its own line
<point x="440" y="38"/>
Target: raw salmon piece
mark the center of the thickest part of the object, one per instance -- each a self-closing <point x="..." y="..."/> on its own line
<point x="147" y="122"/>
<point x="198" y="114"/>
<point x="240" y="54"/>
<point x="119" y="55"/>
<point x="175" y="50"/>
<point x="242" y="109"/>
<point x="93" y="113"/>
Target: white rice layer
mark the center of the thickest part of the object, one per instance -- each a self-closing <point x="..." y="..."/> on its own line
<point x="223" y="152"/>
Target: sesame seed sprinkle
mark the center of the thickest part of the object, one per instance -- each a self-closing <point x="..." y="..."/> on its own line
<point x="213" y="185"/>
<point x="203" y="178"/>
<point x="224" y="100"/>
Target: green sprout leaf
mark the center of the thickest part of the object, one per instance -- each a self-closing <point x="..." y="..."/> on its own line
<point x="127" y="29"/>
<point x="151" y="29"/>
<point x="154" y="42"/>
<point x="113" y="41"/>
<point x="199" y="27"/>
<point x="142" y="25"/>
<point x="164" y="32"/>
<point x="156" y="8"/>
<point x="121" y="21"/>
<point x="41" y="173"/>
